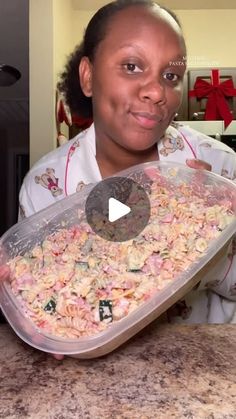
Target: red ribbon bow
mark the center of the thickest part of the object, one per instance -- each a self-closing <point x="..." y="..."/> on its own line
<point x="217" y="107"/>
<point x="64" y="115"/>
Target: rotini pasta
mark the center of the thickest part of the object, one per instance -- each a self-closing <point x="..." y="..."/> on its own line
<point x="75" y="283"/>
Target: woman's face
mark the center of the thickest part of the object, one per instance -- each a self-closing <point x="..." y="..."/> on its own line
<point x="137" y="77"/>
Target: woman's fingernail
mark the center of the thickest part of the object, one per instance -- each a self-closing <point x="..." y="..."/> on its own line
<point x="58" y="357"/>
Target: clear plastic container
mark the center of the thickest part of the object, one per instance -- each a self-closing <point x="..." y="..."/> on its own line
<point x="25" y="235"/>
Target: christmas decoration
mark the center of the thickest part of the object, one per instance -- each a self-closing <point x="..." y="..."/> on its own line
<point x="217" y="94"/>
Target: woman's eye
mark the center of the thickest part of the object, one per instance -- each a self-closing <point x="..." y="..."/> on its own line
<point x="171" y="77"/>
<point x="132" y="68"/>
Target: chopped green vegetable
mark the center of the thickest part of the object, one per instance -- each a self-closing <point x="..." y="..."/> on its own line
<point x="50" y="307"/>
<point x="134" y="270"/>
<point x="83" y="266"/>
<point x="105" y="310"/>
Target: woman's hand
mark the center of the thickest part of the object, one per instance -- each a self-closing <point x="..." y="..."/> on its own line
<point x="198" y="164"/>
<point x="58" y="357"/>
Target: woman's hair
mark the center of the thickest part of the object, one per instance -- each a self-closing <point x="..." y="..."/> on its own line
<point x="69" y="84"/>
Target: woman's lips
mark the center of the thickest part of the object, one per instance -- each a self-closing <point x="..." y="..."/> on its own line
<point x="147" y="120"/>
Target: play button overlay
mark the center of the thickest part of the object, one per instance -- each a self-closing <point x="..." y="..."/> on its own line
<point x="117" y="209"/>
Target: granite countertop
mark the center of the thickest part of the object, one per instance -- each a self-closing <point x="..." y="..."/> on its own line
<point x="166" y="371"/>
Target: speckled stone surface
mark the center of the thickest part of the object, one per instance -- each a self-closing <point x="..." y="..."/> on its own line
<point x="167" y="371"/>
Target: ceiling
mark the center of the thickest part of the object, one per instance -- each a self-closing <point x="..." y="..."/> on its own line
<point x="172" y="4"/>
<point x="14" y="50"/>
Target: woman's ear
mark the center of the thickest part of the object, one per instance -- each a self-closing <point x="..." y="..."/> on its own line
<point x="85" y="75"/>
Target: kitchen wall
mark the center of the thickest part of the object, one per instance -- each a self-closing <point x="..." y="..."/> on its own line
<point x="50" y="43"/>
<point x="56" y="28"/>
<point x="209" y="35"/>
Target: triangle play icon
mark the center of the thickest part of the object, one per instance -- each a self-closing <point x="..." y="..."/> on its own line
<point x="116" y="210"/>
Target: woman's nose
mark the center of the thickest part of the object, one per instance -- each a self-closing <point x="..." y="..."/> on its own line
<point x="153" y="91"/>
